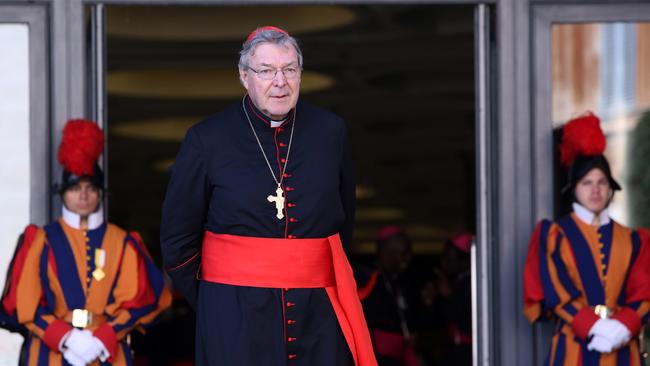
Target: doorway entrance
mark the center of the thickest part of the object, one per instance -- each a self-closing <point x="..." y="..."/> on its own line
<point x="402" y="76"/>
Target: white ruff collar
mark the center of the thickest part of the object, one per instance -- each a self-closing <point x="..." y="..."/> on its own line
<point x="588" y="217"/>
<point x="95" y="219"/>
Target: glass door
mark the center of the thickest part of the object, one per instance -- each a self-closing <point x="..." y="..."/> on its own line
<point x="594" y="58"/>
<point x="421" y="109"/>
<point x="482" y="267"/>
<point x="24" y="138"/>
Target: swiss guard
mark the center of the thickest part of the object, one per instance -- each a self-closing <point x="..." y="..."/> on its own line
<point x="259" y="206"/>
<point x="79" y="285"/>
<point x="586" y="271"/>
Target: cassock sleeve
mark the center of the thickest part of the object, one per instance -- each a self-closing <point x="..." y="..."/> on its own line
<point x="138" y="297"/>
<point x="637" y="289"/>
<point x="347" y="192"/>
<point x="184" y="215"/>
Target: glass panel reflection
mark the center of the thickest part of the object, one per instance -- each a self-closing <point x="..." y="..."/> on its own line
<point x="14" y="153"/>
<point x="605" y="68"/>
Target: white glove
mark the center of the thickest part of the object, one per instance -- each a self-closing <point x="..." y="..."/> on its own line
<point x="600" y="344"/>
<point x="103" y="352"/>
<point x="94" y="351"/>
<point x="599" y="327"/>
<point x="82" y="343"/>
<point x="613" y="330"/>
<point x="620" y="334"/>
<point x="73" y="359"/>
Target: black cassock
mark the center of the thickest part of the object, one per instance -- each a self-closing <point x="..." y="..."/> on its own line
<point x="220" y="182"/>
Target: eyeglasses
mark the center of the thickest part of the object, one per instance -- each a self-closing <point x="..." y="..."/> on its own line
<point x="269" y="74"/>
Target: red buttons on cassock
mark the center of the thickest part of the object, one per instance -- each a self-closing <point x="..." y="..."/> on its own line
<point x="291" y="236"/>
<point x="283" y="160"/>
<point x="291" y="204"/>
<point x="289" y="189"/>
<point x="290" y="304"/>
<point x="292" y="356"/>
<point x="293" y="219"/>
<point x="287" y="175"/>
<point x="291" y="321"/>
<point x="280" y="129"/>
<point x="291" y="339"/>
<point x="282" y="144"/>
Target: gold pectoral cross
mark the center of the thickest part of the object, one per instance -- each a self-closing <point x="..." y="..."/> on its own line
<point x="279" y="202"/>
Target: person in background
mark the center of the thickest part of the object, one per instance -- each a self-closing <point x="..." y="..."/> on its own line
<point x="388" y="301"/>
<point x="586" y="271"/>
<point x="454" y="289"/>
<point x="79" y="285"/>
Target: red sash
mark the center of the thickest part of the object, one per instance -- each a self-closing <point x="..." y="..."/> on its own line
<point x="315" y="263"/>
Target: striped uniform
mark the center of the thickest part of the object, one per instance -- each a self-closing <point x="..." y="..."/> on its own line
<point x="51" y="275"/>
<point x="571" y="268"/>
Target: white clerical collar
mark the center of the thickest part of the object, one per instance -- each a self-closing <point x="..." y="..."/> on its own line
<point x="275" y="124"/>
<point x="588" y="217"/>
<point x="95" y="219"/>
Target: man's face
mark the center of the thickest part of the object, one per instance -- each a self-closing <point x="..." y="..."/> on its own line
<point x="454" y="261"/>
<point x="82" y="198"/>
<point x="275" y="97"/>
<point x="593" y="191"/>
<point x="395" y="255"/>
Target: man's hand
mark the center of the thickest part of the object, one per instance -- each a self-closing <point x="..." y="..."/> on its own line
<point x="73" y="359"/>
<point x="82" y="345"/>
<point x="103" y="352"/>
<point x="619" y="334"/>
<point x="613" y="330"/>
<point x="600" y="344"/>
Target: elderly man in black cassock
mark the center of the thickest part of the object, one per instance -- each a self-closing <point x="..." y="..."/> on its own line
<point x="258" y="209"/>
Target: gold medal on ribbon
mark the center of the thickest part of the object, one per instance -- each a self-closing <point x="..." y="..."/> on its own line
<point x="99" y="274"/>
<point x="100" y="260"/>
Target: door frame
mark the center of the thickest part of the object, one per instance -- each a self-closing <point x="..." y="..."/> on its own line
<point x="544" y="16"/>
<point x="35" y="16"/>
<point x="493" y="190"/>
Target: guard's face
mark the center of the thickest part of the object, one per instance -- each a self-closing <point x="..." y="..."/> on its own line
<point x="82" y="198"/>
<point x="593" y="191"/>
<point x="275" y="97"/>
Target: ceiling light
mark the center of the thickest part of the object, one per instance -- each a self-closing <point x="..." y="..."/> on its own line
<point x="162" y="129"/>
<point x="378" y="214"/>
<point x="219" y="22"/>
<point x="193" y="84"/>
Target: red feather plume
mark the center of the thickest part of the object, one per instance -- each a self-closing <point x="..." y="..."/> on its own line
<point x="581" y="136"/>
<point x="82" y="144"/>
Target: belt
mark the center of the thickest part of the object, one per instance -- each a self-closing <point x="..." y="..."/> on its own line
<point x="83" y="318"/>
<point x="603" y="311"/>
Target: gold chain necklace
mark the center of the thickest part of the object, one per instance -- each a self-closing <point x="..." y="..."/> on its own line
<point x="278" y="199"/>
